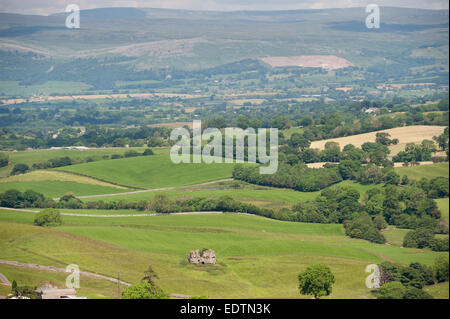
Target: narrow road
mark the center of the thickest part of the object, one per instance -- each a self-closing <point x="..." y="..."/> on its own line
<point x="152" y="190"/>
<point x="4" y="279"/>
<point x="51" y="268"/>
<point x="117" y="215"/>
<point x="84" y="273"/>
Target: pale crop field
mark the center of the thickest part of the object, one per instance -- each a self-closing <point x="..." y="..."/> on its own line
<point x="406" y="134"/>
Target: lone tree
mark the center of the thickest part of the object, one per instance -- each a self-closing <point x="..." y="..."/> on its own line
<point x="146" y="289"/>
<point x="149" y="277"/>
<point x="316" y="280"/>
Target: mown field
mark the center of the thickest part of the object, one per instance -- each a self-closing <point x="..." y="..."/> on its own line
<point x="260" y="256"/>
<point x="40" y="156"/>
<point x="427" y="171"/>
<point x="152" y="171"/>
<point x="407" y="134"/>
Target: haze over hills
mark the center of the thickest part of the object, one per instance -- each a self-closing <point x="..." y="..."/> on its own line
<point x="126" y="41"/>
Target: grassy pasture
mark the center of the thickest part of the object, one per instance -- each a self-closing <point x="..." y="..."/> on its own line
<point x="428" y="171"/>
<point x="443" y="207"/>
<point x="39" y="156"/>
<point x="269" y="197"/>
<point x="261" y="256"/>
<point x="152" y="171"/>
<point x="54" y="189"/>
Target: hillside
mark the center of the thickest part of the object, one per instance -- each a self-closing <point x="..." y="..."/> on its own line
<point x="261" y="256"/>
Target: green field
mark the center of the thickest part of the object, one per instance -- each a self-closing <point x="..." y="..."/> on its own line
<point x="428" y="171"/>
<point x="54" y="189"/>
<point x="261" y="256"/>
<point x="268" y="197"/>
<point x="443" y="207"/>
<point x="40" y="156"/>
<point x="151" y="171"/>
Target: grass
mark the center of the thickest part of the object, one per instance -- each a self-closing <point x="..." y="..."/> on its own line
<point x="54" y="189"/>
<point x="40" y="156"/>
<point x="394" y="235"/>
<point x="268" y="197"/>
<point x="260" y="256"/>
<point x="443" y="207"/>
<point x="53" y="175"/>
<point x="438" y="291"/>
<point x="427" y="171"/>
<point x="152" y="171"/>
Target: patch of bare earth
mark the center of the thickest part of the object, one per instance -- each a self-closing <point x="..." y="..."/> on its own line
<point x="328" y="62"/>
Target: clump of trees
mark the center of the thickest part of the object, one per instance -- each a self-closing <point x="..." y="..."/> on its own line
<point x="20" y="168"/>
<point x="363" y="227"/>
<point x="425" y="238"/>
<point x="316" y="280"/>
<point x="48" y="217"/>
<point x="406" y="282"/>
<point x="416" y="153"/>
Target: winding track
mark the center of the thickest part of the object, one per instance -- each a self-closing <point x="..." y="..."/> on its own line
<point x="51" y="268"/>
<point x="153" y="189"/>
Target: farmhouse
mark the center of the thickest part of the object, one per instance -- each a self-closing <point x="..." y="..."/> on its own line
<point x="48" y="291"/>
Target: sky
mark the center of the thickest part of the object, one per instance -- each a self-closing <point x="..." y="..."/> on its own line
<point x="46" y="7"/>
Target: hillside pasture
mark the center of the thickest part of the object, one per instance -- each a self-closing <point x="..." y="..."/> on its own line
<point x="148" y="172"/>
<point x="427" y="171"/>
<point x="260" y="256"/>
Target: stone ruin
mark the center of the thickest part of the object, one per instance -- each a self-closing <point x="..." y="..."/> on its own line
<point x="206" y="256"/>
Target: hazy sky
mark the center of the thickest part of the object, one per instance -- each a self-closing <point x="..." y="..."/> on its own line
<point x="45" y="7"/>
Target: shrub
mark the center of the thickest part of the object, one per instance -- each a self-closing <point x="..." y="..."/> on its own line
<point x="392" y="290"/>
<point x="131" y="153"/>
<point x="148" y="152"/>
<point x="439" y="244"/>
<point x="416" y="293"/>
<point x="48" y="217"/>
<point x="419" y="238"/>
<point x="144" y="291"/>
<point x="441" y="268"/>
<point x="20" y="169"/>
<point x="4" y="160"/>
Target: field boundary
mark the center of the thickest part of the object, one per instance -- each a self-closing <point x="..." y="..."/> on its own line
<point x="152" y="190"/>
<point x="100" y="179"/>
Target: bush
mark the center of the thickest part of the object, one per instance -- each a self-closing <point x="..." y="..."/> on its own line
<point x="440" y="268"/>
<point x="392" y="290"/>
<point x="363" y="227"/>
<point x="20" y="169"/>
<point x="416" y="293"/>
<point x="48" y="217"/>
<point x="439" y="244"/>
<point x="4" y="160"/>
<point x="144" y="291"/>
<point x="148" y="152"/>
<point x="116" y="156"/>
<point x="131" y="153"/>
<point x="419" y="238"/>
